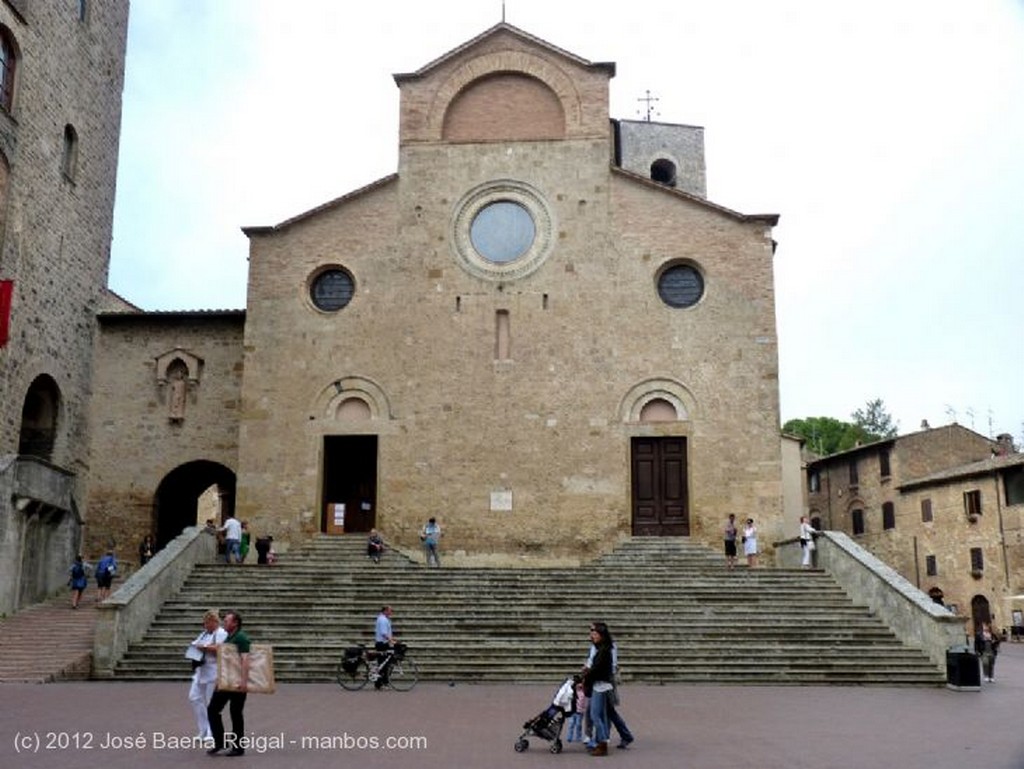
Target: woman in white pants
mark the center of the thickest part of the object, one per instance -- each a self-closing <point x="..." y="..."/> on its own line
<point x="806" y="541"/>
<point x="204" y="678"/>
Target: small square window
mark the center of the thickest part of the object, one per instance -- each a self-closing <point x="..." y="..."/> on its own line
<point x="883" y="463"/>
<point x="930" y="567"/>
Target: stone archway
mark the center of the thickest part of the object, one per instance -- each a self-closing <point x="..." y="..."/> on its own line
<point x="176" y="502"/>
<point x="39" y="416"/>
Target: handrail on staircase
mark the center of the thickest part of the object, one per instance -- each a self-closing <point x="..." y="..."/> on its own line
<point x="126" y="615"/>
<point x="910" y="612"/>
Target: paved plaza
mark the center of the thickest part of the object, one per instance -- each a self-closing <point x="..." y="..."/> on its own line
<point x="114" y="725"/>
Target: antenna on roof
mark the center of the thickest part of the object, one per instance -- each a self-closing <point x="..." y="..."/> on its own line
<point x="649" y="106"/>
<point x="502" y="11"/>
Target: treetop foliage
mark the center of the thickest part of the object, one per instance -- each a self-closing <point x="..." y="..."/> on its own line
<point x="827" y="435"/>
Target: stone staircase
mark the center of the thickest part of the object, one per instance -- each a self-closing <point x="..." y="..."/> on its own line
<point x="677" y="613"/>
<point x="49" y="641"/>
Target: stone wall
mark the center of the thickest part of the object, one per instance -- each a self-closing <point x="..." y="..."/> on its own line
<point x="132" y="416"/>
<point x="544" y="414"/>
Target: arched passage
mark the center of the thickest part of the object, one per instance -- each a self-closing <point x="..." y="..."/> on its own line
<point x="39" y="418"/>
<point x="176" y="503"/>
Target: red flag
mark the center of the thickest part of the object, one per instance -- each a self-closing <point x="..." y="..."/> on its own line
<point x="6" y="291"/>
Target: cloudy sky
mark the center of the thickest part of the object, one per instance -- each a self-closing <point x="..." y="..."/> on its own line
<point x="888" y="134"/>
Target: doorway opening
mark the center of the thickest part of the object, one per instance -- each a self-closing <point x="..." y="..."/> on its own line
<point x="350" y="484"/>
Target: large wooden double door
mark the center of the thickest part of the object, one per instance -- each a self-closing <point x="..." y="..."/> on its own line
<point x="660" y="499"/>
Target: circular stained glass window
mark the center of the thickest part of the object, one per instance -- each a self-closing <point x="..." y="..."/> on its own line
<point x="681" y="286"/>
<point x="331" y="290"/>
<point x="502" y="231"/>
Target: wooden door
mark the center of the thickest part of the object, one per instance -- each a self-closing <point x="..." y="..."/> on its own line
<point x="660" y="499"/>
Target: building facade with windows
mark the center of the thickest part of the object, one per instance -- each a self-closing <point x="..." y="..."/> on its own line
<point x="61" y="78"/>
<point x="941" y="506"/>
<point x="538" y="330"/>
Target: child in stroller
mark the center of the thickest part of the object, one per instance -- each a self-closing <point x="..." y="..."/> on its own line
<point x="548" y="723"/>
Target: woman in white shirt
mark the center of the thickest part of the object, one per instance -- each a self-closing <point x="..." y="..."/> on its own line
<point x="204" y="677"/>
<point x="750" y="543"/>
<point x="806" y="541"/>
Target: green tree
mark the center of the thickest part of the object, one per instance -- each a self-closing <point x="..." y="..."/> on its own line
<point x="827" y="435"/>
<point x="875" y="420"/>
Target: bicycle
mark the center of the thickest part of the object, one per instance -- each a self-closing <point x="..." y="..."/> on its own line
<point x="360" y="666"/>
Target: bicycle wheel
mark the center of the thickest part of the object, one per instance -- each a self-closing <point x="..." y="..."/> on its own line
<point x="356" y="679"/>
<point x="403" y="675"/>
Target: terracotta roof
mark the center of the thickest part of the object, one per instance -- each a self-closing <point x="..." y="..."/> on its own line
<point x="983" y="467"/>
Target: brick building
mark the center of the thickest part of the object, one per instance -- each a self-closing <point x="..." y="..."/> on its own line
<point x="941" y="506"/>
<point x="61" y="77"/>
<point x="538" y="329"/>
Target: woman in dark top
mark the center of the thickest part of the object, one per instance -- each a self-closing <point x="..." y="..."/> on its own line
<point x="598" y="685"/>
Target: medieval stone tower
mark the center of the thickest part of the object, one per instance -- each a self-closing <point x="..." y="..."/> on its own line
<point x="61" y="78"/>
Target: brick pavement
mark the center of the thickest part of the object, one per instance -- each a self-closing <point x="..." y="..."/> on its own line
<point x="698" y="727"/>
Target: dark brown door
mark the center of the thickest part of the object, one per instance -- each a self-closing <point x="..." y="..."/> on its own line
<point x="660" y="506"/>
<point x="350" y="483"/>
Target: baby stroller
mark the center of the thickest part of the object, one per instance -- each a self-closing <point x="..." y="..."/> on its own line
<point x="548" y="724"/>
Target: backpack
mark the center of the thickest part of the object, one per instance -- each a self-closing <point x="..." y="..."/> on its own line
<point x="77" y="571"/>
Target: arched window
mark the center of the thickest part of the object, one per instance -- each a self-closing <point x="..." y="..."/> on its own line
<point x="39" y="418"/>
<point x="8" y="61"/>
<point x="664" y="172"/>
<point x="69" y="161"/>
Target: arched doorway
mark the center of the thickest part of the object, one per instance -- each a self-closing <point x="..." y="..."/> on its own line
<point x="39" y="418"/>
<point x="980" y="612"/>
<point x="176" y="503"/>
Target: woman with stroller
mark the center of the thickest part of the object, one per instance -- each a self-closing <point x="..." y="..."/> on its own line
<point x="598" y="683"/>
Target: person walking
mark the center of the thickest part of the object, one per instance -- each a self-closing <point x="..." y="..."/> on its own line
<point x="750" y="543"/>
<point x="806" y="542"/>
<point x="612" y="702"/>
<point x="730" y="541"/>
<point x="431" y="537"/>
<point x="106" y="568"/>
<point x="244" y="541"/>
<point x="986" y="646"/>
<point x="598" y="684"/>
<point x="78" y="580"/>
<point x="204" y="671"/>
<point x="234" y="699"/>
<point x="232" y="539"/>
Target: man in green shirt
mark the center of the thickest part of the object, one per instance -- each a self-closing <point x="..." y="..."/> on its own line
<point x="236" y="700"/>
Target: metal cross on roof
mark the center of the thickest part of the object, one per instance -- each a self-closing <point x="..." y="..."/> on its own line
<point x="649" y="106"/>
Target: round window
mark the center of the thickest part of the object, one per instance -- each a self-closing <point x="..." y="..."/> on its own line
<point x="502" y="231"/>
<point x="331" y="290"/>
<point x="681" y="286"/>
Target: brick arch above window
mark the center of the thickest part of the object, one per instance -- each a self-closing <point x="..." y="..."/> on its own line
<point x="351" y="397"/>
<point x="670" y="391"/>
<point x="507" y="62"/>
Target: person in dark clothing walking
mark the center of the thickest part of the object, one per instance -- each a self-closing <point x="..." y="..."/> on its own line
<point x="235" y="699"/>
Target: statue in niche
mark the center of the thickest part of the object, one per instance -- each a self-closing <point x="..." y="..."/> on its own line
<point x="177" y="378"/>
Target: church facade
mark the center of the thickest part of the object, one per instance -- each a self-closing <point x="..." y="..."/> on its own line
<point x="538" y="330"/>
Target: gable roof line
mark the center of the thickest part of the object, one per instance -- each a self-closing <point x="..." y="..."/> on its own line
<point x="769" y="219"/>
<point x="402" y="77"/>
<point x="250" y="231"/>
<point x="973" y="469"/>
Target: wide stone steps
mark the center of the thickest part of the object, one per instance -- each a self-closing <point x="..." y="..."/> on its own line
<point x="677" y="613"/>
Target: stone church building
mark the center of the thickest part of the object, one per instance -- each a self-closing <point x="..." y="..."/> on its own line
<point x="538" y="330"/>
